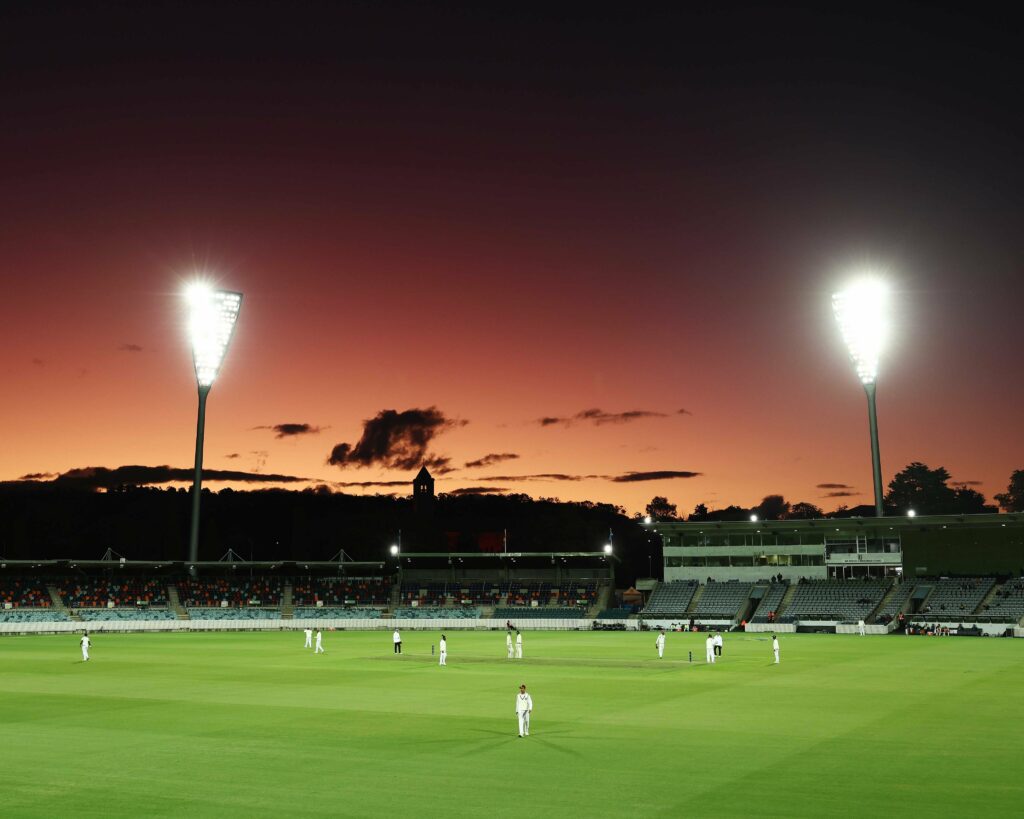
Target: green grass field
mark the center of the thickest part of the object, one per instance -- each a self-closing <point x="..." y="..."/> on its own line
<point x="252" y="724"/>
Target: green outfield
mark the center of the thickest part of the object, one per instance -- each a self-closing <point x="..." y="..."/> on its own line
<point x="248" y="724"/>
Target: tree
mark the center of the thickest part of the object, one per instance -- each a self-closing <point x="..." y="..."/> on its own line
<point x="922" y="489"/>
<point x="804" y="511"/>
<point x="772" y="507"/>
<point x="660" y="509"/>
<point x="967" y="501"/>
<point x="700" y="512"/>
<point x="1012" y="500"/>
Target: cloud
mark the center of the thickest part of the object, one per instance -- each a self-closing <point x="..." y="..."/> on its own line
<point x="478" y="490"/>
<point x="841" y="494"/>
<point x="233" y="455"/>
<point x="834" y="486"/>
<point x="261" y="458"/>
<point x="967" y="483"/>
<point x="38" y="362"/>
<point x="291" y="430"/>
<point x="683" y="412"/>
<point x="661" y="475"/>
<point x="542" y="476"/>
<point x="394" y="440"/>
<point x="365" y="484"/>
<point x="130" y="348"/>
<point x="38" y="476"/>
<point x="491" y="460"/>
<point x="599" y="417"/>
<point x="102" y="477"/>
<point x="439" y="465"/>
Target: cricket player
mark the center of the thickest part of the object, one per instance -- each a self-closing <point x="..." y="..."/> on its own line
<point x="775" y="648"/>
<point x="309" y="638"/>
<point x="709" y="646"/>
<point x="86" y="642"/>
<point x="319" y="643"/>
<point x="660" y="643"/>
<point x="860" y="628"/>
<point x="508" y="644"/>
<point x="519" y="644"/>
<point x="443" y="650"/>
<point x="524" y="706"/>
<point x="718" y="645"/>
<point x="398" y="641"/>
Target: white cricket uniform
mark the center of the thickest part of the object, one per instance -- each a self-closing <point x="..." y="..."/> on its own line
<point x="319" y="644"/>
<point x="508" y="645"/>
<point x="309" y="638"/>
<point x="775" y="648"/>
<point x="524" y="705"/>
<point x="519" y="646"/>
<point x="709" y="645"/>
<point x="860" y="627"/>
<point x="660" y="643"/>
<point x="718" y="642"/>
<point x="86" y="642"/>
<point x="397" y="638"/>
<point x="443" y="651"/>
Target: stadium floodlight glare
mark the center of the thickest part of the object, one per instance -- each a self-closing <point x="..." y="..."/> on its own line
<point x="212" y="315"/>
<point x="862" y="311"/>
<point x="753" y="518"/>
<point x="607" y="548"/>
<point x="647" y="519"/>
<point x="394" y="551"/>
<point x="911" y="513"/>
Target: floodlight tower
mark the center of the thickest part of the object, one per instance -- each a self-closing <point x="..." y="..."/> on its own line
<point x="211" y="323"/>
<point x="862" y="311"/>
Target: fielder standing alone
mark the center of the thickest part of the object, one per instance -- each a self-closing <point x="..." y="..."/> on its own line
<point x="86" y="642"/>
<point x="443" y="650"/>
<point x="524" y="707"/>
<point x="775" y="648"/>
<point x="660" y="643"/>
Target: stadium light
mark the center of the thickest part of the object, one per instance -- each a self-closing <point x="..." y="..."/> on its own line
<point x="647" y="519"/>
<point x="911" y="513"/>
<point x="753" y="518"/>
<point x="607" y="548"/>
<point x="862" y="312"/>
<point x="212" y="315"/>
<point x="394" y="550"/>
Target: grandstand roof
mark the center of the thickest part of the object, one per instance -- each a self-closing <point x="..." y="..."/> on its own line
<point x="891" y="522"/>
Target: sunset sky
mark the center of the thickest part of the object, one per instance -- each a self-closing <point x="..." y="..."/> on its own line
<point x="626" y="222"/>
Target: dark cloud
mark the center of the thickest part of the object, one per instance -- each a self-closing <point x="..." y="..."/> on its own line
<point x="661" y="475"/>
<point x="102" y="477"/>
<point x="491" y="460"/>
<point x="840" y="494"/>
<point x="542" y="476"/>
<point x="834" y="486"/>
<point x="365" y="484"/>
<point x="130" y="348"/>
<point x="683" y="412"/>
<point x="261" y="456"/>
<point x="233" y="455"/>
<point x="967" y="483"/>
<point x="439" y="465"/>
<point x="600" y="417"/>
<point x="394" y="440"/>
<point x="38" y="476"/>
<point x="291" y="430"/>
<point x="478" y="490"/>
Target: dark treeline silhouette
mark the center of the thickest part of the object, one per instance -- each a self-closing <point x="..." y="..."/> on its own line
<point x="40" y="522"/>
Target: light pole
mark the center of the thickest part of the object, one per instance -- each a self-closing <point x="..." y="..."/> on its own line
<point x="862" y="313"/>
<point x="211" y="323"/>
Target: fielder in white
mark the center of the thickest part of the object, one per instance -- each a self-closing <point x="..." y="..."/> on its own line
<point x="519" y="644"/>
<point x="718" y="645"/>
<point x="508" y="644"/>
<point x="860" y="628"/>
<point x="443" y="650"/>
<point x="397" y="639"/>
<point x="319" y="643"/>
<point x="660" y="643"/>
<point x="709" y="645"/>
<point x="775" y="648"/>
<point x="86" y="642"/>
<point x="524" y="707"/>
<point x="309" y="637"/>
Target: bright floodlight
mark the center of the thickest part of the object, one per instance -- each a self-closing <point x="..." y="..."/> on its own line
<point x="862" y="310"/>
<point x="753" y="518"/>
<point x="647" y="519"/>
<point x="211" y="321"/>
<point x="607" y="548"/>
<point x="911" y="513"/>
<point x="394" y="550"/>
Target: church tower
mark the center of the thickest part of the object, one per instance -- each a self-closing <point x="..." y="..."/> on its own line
<point x="423" y="491"/>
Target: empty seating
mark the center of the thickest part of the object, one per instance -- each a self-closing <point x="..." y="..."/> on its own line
<point x="32" y="615"/>
<point x="334" y="591"/>
<point x="22" y="592"/>
<point x="212" y="591"/>
<point x="328" y="612"/>
<point x="514" y="613"/>
<point x="671" y="599"/>
<point x="844" y="601"/>
<point x="955" y="598"/>
<point x="1007" y="605"/>
<point x="126" y="614"/>
<point x="248" y="613"/>
<point x="437" y="613"/>
<point x="722" y="600"/>
<point x="98" y="592"/>
<point x="767" y="610"/>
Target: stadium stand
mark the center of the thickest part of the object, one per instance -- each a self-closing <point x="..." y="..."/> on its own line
<point x="1008" y="603"/>
<point x="955" y="598"/>
<point x="437" y="612"/>
<point x="767" y="610"/>
<point x="91" y="592"/>
<point x="514" y="613"/>
<point x="341" y="591"/>
<point x="897" y="601"/>
<point x="334" y="612"/>
<point x="722" y="600"/>
<point x="670" y="599"/>
<point x="20" y="593"/>
<point x="231" y="613"/>
<point x="844" y="601"/>
<point x="32" y="615"/>
<point x="108" y="615"/>
<point x="203" y="591"/>
<point x="614" y="614"/>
